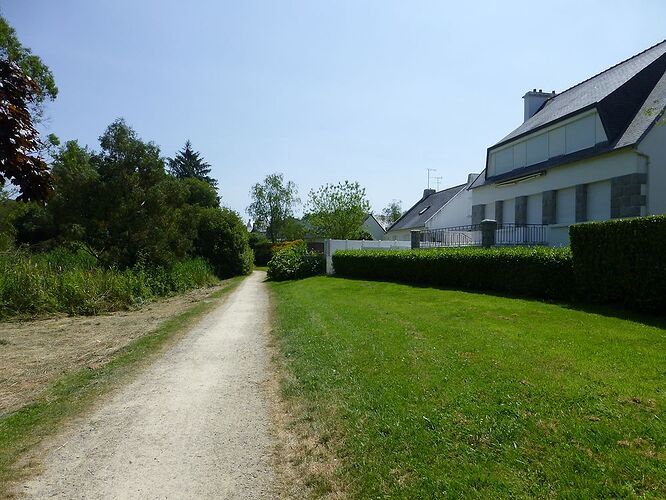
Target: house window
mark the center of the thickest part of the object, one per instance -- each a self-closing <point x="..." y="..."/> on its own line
<point x="424" y="210"/>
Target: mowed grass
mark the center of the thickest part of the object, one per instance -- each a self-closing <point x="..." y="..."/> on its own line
<point x="424" y="393"/>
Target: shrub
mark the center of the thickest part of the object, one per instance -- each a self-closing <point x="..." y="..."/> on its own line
<point x="621" y="262"/>
<point x="295" y="262"/>
<point x="223" y="241"/>
<point x="532" y="271"/>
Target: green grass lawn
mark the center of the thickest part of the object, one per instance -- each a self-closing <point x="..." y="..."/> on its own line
<point x="423" y="392"/>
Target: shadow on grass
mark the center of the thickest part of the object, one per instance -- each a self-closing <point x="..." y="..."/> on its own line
<point x="613" y="311"/>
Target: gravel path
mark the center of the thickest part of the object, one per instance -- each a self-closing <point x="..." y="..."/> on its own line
<point x="195" y="424"/>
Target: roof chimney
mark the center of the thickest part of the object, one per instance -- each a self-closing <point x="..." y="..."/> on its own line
<point x="427" y="192"/>
<point x="533" y="101"/>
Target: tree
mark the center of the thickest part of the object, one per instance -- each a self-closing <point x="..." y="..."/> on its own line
<point x="30" y="64"/>
<point x="338" y="210"/>
<point x="273" y="202"/>
<point x="189" y="163"/>
<point x="20" y="162"/>
<point x="392" y="212"/>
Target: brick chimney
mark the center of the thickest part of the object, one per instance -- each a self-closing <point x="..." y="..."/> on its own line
<point x="534" y="99"/>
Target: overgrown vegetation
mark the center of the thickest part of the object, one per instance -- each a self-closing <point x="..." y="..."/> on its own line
<point x="531" y="271"/>
<point x="621" y="262"/>
<point x="428" y="393"/>
<point x="292" y="260"/>
<point x="73" y="282"/>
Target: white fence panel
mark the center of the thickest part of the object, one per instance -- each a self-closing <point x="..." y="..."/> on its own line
<point x="332" y="246"/>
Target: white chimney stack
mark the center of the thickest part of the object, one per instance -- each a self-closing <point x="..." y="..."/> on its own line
<point x="534" y="99"/>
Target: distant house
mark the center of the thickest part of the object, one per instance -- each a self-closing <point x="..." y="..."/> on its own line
<point x="436" y="209"/>
<point x="592" y="152"/>
<point x="373" y="227"/>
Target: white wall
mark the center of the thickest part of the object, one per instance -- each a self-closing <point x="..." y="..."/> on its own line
<point x="582" y="172"/>
<point x="457" y="212"/>
<point x="534" y="209"/>
<point x="566" y="206"/>
<point x="399" y="235"/>
<point x="654" y="145"/>
<point x="509" y="211"/>
<point x="373" y="228"/>
<point x="332" y="246"/>
<point x="575" y="134"/>
<point x="598" y="200"/>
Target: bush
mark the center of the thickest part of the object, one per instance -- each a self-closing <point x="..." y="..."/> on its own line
<point x="621" y="262"/>
<point x="222" y="240"/>
<point x="295" y="262"/>
<point x="532" y="271"/>
<point x="73" y="282"/>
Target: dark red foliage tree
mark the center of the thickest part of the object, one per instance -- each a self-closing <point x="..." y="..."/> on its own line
<point x="20" y="162"/>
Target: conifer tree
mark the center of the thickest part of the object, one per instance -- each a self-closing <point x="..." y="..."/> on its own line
<point x="190" y="163"/>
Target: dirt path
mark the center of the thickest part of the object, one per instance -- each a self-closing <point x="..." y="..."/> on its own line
<point x="193" y="425"/>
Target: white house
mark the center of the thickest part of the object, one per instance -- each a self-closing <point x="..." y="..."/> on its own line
<point x="436" y="209"/>
<point x="372" y="226"/>
<point x="593" y="152"/>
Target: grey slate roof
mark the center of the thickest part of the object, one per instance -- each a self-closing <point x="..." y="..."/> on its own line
<point x="413" y="218"/>
<point x="599" y="90"/>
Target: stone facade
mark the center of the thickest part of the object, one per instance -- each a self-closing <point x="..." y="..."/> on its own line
<point x="581" y="202"/>
<point x="499" y="211"/>
<point x="521" y="210"/>
<point x="549" y="207"/>
<point x="628" y="196"/>
<point x="478" y="214"/>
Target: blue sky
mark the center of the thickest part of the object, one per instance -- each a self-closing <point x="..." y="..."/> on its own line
<point x="323" y="91"/>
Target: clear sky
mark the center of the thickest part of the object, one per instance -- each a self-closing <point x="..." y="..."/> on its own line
<point x="323" y="91"/>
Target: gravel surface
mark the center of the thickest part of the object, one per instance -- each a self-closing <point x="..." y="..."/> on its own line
<point x="195" y="424"/>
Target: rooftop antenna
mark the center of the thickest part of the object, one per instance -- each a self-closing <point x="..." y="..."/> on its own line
<point x="438" y="179"/>
<point x="430" y="170"/>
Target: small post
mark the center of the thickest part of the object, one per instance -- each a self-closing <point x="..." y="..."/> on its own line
<point x="416" y="238"/>
<point x="488" y="229"/>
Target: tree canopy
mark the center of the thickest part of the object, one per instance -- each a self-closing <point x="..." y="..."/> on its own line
<point x="391" y="212"/>
<point x="11" y="49"/>
<point x="272" y="205"/>
<point x="190" y="163"/>
<point x="20" y="161"/>
<point x="338" y="210"/>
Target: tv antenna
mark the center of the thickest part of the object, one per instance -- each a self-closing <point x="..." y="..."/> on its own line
<point x="438" y="179"/>
<point x="430" y="170"/>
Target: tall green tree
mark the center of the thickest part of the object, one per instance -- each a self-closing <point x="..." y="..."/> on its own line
<point x="273" y="202"/>
<point x="11" y="49"/>
<point x="338" y="210"/>
<point x="190" y="163"/>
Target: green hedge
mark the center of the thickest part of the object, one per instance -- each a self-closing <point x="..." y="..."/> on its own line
<point x="295" y="262"/>
<point x="621" y="262"/>
<point x="532" y="271"/>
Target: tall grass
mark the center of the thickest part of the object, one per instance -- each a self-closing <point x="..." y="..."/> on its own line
<point x="73" y="282"/>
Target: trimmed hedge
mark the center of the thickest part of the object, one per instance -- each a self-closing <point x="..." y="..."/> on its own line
<point x="621" y="262"/>
<point x="532" y="271"/>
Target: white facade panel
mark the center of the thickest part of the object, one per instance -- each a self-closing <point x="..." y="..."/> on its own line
<point x="600" y="133"/>
<point x="534" y="209"/>
<point x="599" y="200"/>
<point x="556" y="142"/>
<point x="519" y="155"/>
<point x="457" y="212"/>
<point x="566" y="206"/>
<point x="490" y="211"/>
<point x="509" y="211"/>
<point x="580" y="134"/>
<point x="654" y="146"/>
<point x="536" y="149"/>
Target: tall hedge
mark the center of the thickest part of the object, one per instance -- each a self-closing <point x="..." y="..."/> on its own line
<point x="531" y="271"/>
<point x="621" y="262"/>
